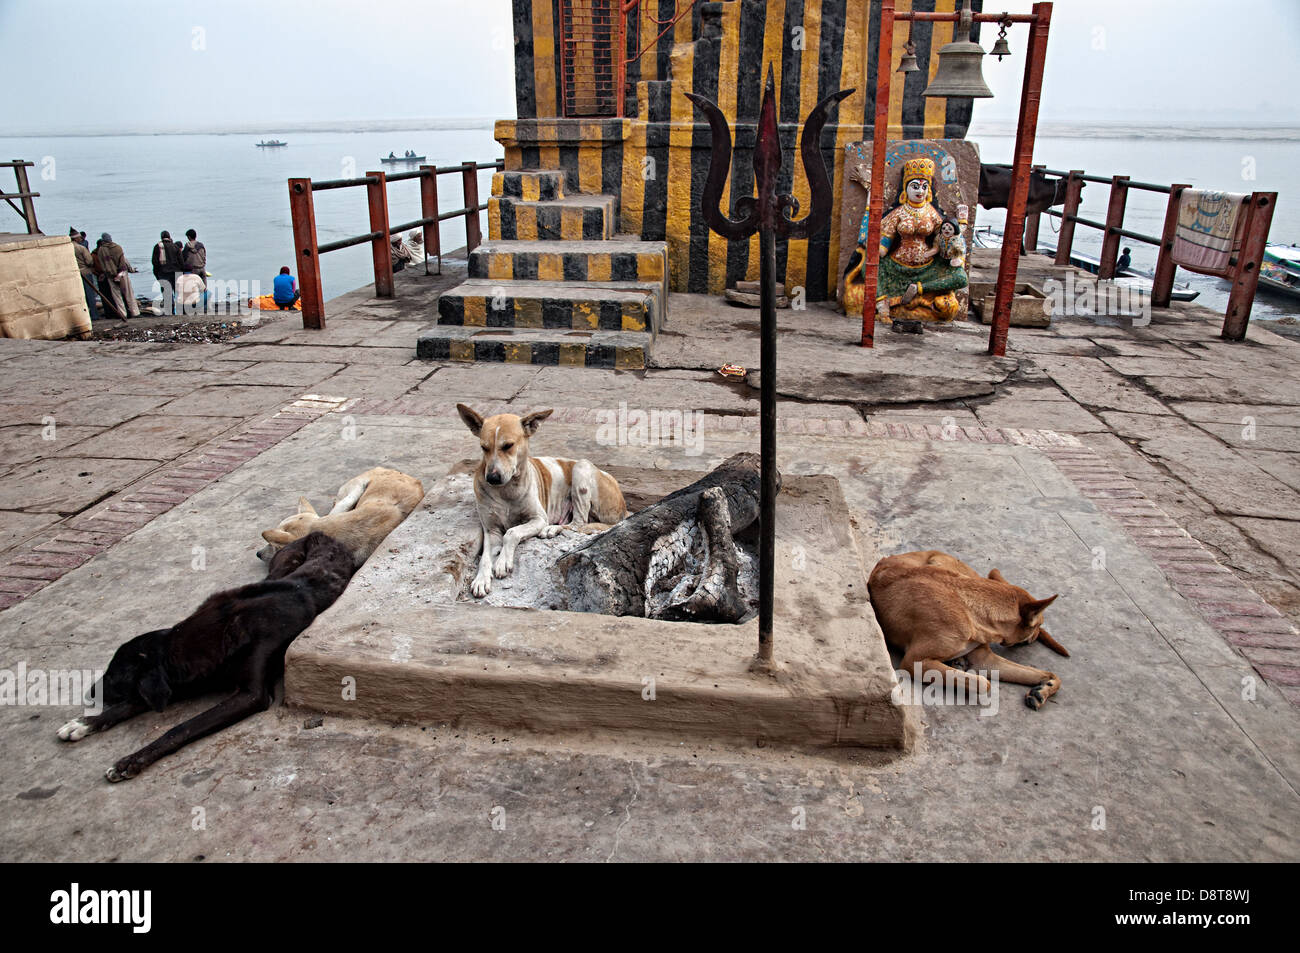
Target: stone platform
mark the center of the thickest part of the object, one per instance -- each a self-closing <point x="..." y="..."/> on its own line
<point x="421" y="652"/>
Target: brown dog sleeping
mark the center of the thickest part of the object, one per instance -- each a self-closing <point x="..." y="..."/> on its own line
<point x="936" y="609"/>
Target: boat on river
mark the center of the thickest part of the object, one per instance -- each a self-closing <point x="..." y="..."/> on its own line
<point x="1135" y="278"/>
<point x="1280" y="270"/>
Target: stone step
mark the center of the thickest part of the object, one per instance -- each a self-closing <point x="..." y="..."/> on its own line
<point x="622" y="350"/>
<point x="572" y="261"/>
<point x="580" y="306"/>
<point x="529" y="185"/>
<point x="573" y="218"/>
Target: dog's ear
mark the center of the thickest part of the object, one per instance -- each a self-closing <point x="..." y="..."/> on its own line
<point x="277" y="536"/>
<point x="473" y="420"/>
<point x="534" y="420"/>
<point x="304" y="506"/>
<point x="154" y="688"/>
<point x="996" y="576"/>
<point x="1035" y="607"/>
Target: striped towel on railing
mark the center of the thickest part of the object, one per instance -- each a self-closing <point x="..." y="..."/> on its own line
<point x="1207" y="230"/>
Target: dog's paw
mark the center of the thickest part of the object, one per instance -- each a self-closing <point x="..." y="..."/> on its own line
<point x="503" y="566"/>
<point x="1037" y="696"/>
<point x="550" y="531"/>
<point x="75" y="730"/>
<point x="124" y="770"/>
<point x="481" y="586"/>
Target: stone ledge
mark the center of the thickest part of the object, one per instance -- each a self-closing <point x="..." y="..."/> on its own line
<point x="419" y="654"/>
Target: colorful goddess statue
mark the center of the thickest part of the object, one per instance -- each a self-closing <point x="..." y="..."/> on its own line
<point x="922" y="255"/>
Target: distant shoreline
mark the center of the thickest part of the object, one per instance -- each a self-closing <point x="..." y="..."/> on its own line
<point x="264" y="130"/>
<point x="1127" y="129"/>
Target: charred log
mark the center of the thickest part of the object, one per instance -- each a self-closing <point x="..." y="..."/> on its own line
<point x="677" y="558"/>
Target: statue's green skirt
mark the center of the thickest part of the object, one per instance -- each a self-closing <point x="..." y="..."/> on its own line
<point x="934" y="276"/>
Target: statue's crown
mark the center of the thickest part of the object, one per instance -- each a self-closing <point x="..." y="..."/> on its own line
<point x="918" y="168"/>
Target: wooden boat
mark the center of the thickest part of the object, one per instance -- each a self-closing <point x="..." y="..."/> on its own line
<point x="270" y="143"/>
<point x="403" y="158"/>
<point x="1280" y="270"/>
<point x="1139" y="281"/>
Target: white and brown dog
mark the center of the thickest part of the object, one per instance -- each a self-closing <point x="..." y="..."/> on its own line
<point x="521" y="496"/>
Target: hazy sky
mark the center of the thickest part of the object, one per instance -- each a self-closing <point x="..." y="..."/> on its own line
<point x="140" y="64"/>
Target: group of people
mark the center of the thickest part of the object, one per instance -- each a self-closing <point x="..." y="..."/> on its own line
<point x="180" y="269"/>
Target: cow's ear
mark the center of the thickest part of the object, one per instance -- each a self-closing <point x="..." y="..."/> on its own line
<point x="996" y="576"/>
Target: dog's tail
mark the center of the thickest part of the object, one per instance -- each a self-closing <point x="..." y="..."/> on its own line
<point x="1052" y="644"/>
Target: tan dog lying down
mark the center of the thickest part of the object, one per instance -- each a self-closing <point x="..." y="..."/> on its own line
<point x="936" y="609"/>
<point x="521" y="496"/>
<point x="367" y="508"/>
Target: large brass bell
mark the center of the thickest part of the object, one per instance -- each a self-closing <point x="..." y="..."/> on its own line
<point x="960" y="74"/>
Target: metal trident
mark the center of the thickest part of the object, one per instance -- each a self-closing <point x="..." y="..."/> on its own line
<point x="769" y="214"/>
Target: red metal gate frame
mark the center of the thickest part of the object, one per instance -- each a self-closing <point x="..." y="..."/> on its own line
<point x="1026" y="129"/>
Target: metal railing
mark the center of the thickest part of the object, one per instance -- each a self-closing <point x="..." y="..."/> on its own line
<point x="1244" y="265"/>
<point x="308" y="251"/>
<point x="24" y="194"/>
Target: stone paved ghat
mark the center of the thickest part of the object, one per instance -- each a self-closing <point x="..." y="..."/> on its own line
<point x="1150" y="718"/>
<point x="1147" y="473"/>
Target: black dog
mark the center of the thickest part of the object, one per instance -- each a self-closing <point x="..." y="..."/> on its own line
<point x="235" y="641"/>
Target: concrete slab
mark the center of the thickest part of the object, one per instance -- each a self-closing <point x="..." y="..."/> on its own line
<point x="230" y="401"/>
<point x="23" y="443"/>
<point x="1224" y="477"/>
<point x="437" y="657"/>
<point x="67" y="484"/>
<point x="153" y="437"/>
<point x="16" y="527"/>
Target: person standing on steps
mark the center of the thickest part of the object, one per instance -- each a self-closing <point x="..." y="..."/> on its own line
<point x="166" y="266"/>
<point x="195" y="257"/>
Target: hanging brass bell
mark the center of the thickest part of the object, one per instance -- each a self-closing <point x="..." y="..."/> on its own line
<point x="960" y="74"/>
<point x="908" y="62"/>
<point x="1000" y="48"/>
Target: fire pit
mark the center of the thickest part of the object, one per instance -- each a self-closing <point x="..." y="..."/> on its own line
<point x="407" y="643"/>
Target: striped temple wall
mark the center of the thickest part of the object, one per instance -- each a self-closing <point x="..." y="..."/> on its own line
<point x="655" y="161"/>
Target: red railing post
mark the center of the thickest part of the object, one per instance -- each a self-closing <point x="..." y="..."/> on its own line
<point x="473" y="235"/>
<point x="429" y="209"/>
<point x="382" y="251"/>
<point x="1030" y="242"/>
<point x="303" y="213"/>
<point x="24" y="190"/>
<point x="1254" y="236"/>
<point x="1073" y="196"/>
<point x="1026" y="129"/>
<point x="1114" y="220"/>
<point x="1162" y="285"/>
<point x="875" y="207"/>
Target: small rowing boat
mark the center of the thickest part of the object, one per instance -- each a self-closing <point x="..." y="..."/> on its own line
<point x="1280" y="270"/>
<point x="412" y="158"/>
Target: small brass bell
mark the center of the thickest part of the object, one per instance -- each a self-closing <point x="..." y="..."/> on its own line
<point x="1000" y="48"/>
<point x="908" y="62"/>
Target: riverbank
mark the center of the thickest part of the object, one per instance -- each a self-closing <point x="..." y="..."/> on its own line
<point x="1105" y="461"/>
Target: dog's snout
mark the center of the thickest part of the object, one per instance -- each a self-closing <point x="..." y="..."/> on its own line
<point x="494" y="477"/>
